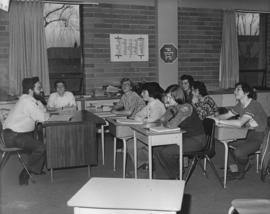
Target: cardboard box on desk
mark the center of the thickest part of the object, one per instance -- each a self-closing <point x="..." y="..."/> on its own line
<point x="230" y="133"/>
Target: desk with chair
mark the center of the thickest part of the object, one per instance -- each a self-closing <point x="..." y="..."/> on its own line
<point x="71" y="143"/>
<point x="104" y="115"/>
<point x="122" y="132"/>
<point x="133" y="196"/>
<point x="226" y="135"/>
<point x="151" y="139"/>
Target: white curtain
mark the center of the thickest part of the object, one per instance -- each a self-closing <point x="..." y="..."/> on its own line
<point x="229" y="59"/>
<point x="27" y="52"/>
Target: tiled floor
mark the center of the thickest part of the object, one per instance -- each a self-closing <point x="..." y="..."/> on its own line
<point x="202" y="195"/>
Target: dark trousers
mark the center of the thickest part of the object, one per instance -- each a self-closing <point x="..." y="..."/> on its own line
<point x="168" y="156"/>
<point x="34" y="148"/>
<point x="243" y="148"/>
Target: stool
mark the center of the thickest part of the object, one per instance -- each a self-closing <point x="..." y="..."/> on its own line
<point x="124" y="140"/>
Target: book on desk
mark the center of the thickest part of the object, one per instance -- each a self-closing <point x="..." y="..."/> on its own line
<point x="162" y="129"/>
<point x="128" y="121"/>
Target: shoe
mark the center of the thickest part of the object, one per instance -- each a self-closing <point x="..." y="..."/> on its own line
<point x="235" y="175"/>
<point x="24" y="177"/>
<point x="144" y="167"/>
<point x="38" y="173"/>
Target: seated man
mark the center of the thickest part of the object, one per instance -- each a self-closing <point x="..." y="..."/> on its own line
<point x="202" y="102"/>
<point x="130" y="102"/>
<point x="20" y="124"/>
<point x="61" y="99"/>
<point x="186" y="83"/>
<point x="251" y="115"/>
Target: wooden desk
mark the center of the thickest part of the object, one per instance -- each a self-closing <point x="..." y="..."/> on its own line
<point x="71" y="143"/>
<point x="226" y="135"/>
<point x="157" y="139"/>
<point x="132" y="196"/>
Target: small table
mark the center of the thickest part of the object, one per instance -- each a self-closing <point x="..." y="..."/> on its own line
<point x="157" y="139"/>
<point x="133" y="196"/>
<point x="225" y="135"/>
<point x="123" y="132"/>
<point x="103" y="115"/>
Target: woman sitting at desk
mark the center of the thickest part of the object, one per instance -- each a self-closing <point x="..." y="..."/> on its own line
<point x="152" y="112"/>
<point x="183" y="115"/>
<point x="251" y="114"/>
<point x="61" y="99"/>
<point x="151" y="94"/>
<point x="130" y="102"/>
<point x="201" y="101"/>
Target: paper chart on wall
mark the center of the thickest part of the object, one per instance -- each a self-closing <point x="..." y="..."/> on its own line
<point x="129" y="47"/>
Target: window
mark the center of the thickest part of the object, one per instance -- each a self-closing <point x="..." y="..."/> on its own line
<point x="62" y="29"/>
<point x="252" y="46"/>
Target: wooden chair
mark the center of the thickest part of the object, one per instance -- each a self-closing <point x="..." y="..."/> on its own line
<point x="7" y="151"/>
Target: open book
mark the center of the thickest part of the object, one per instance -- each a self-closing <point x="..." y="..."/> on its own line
<point x="128" y="121"/>
<point x="162" y="129"/>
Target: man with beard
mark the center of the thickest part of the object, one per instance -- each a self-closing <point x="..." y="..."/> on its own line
<point x="20" y="125"/>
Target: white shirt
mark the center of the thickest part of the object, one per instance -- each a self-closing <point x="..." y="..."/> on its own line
<point x="25" y="114"/>
<point x="57" y="101"/>
<point x="151" y="112"/>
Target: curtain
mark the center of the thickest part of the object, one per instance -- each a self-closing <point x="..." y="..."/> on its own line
<point x="27" y="52"/>
<point x="229" y="59"/>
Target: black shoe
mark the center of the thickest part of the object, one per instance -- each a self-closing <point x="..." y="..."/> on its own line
<point x="144" y="167"/>
<point x="235" y="175"/>
<point x="24" y="177"/>
<point x="38" y="173"/>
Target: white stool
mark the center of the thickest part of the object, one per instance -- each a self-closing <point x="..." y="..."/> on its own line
<point x="124" y="140"/>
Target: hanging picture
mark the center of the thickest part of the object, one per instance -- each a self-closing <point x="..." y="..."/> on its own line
<point x="129" y="47"/>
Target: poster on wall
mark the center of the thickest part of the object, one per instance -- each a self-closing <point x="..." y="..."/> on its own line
<point x="129" y="47"/>
<point x="4" y="5"/>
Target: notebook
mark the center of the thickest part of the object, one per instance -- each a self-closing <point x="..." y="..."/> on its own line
<point x="128" y="121"/>
<point x="162" y="129"/>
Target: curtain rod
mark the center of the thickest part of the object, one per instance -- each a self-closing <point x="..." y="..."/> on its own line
<point x="62" y="2"/>
<point x="70" y="2"/>
<point x="251" y="11"/>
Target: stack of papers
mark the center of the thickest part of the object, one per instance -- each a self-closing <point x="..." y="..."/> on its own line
<point x="161" y="129"/>
<point x="128" y="121"/>
<point x="105" y="114"/>
<point x="60" y="117"/>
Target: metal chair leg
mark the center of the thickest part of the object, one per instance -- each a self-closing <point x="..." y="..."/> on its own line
<point x="124" y="157"/>
<point x="114" y="153"/>
<point x="4" y="158"/>
<point x="25" y="167"/>
<point x="89" y="171"/>
<point x="215" y="170"/>
<point x="191" y="169"/>
<point x="51" y="175"/>
<point x="203" y="168"/>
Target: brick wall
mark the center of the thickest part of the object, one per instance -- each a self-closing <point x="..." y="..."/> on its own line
<point x="199" y="41"/>
<point x="4" y="48"/>
<point x="101" y="20"/>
